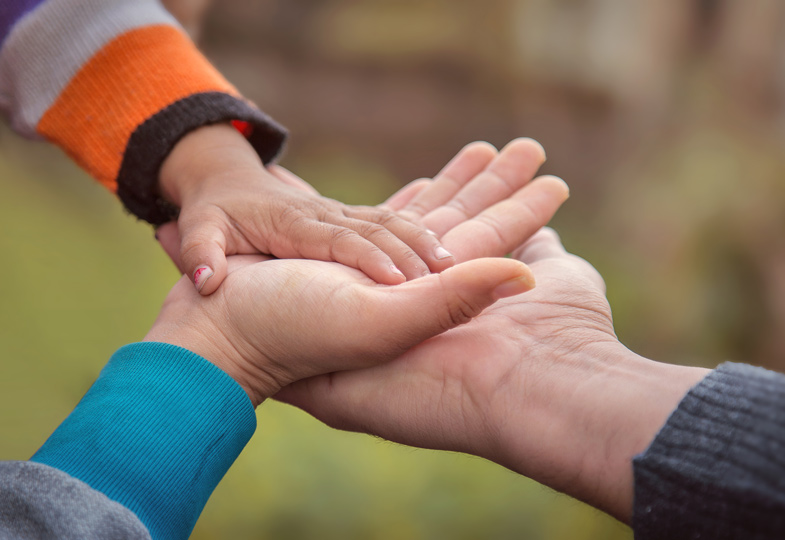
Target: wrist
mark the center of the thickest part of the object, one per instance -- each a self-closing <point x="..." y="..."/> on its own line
<point x="582" y="422"/>
<point x="633" y="400"/>
<point x="206" y="153"/>
<point x="191" y="327"/>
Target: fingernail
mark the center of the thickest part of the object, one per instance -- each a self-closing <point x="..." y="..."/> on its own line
<point x="432" y="233"/>
<point x="396" y="270"/>
<point x="441" y="253"/>
<point x="514" y="286"/>
<point x="201" y="275"/>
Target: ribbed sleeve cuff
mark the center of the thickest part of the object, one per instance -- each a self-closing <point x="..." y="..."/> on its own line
<point x="151" y="142"/>
<point x="156" y="433"/>
<point x="717" y="468"/>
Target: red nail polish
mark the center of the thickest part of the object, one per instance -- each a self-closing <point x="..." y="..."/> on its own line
<point x="201" y="275"/>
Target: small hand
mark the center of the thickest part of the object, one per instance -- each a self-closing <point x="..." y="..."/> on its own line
<point x="230" y="204"/>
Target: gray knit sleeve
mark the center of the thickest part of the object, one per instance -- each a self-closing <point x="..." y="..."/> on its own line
<point x="717" y="468"/>
<point x="40" y="502"/>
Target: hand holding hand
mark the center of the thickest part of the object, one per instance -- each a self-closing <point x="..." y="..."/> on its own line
<point x="276" y="321"/>
<point x="230" y="204"/>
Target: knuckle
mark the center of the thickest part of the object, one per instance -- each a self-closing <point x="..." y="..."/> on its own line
<point x="342" y="235"/>
<point x="460" y="206"/>
<point x="493" y="225"/>
<point x="386" y="218"/>
<point x="503" y="180"/>
<point x="367" y="230"/>
<point x="460" y="310"/>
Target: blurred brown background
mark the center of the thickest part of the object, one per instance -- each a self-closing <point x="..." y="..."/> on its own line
<point x="666" y="118"/>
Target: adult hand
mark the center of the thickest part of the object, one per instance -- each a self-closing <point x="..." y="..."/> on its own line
<point x="483" y="202"/>
<point x="538" y="383"/>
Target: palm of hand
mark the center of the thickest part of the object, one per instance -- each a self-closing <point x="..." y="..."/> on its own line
<point x="453" y="389"/>
<point x="321" y="317"/>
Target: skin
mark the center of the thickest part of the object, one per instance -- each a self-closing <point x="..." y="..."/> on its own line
<point x="561" y="400"/>
<point x="538" y="383"/>
<point x="231" y="204"/>
<point x="323" y="317"/>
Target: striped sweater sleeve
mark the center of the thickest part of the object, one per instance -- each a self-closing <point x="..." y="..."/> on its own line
<point x="116" y="83"/>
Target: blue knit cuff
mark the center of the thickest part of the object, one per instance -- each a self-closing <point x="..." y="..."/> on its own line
<point x="156" y="433"/>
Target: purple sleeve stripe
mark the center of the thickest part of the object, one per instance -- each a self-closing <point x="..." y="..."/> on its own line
<point x="13" y="10"/>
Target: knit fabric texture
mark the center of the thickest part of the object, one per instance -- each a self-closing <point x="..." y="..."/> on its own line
<point x="155" y="433"/>
<point x="99" y="77"/>
<point x="37" y="501"/>
<point x="716" y="470"/>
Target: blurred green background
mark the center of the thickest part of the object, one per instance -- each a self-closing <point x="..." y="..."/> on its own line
<point x="666" y="118"/>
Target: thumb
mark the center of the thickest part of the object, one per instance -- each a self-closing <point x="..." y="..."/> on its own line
<point x="422" y="308"/>
<point x="203" y="251"/>
<point x="367" y="399"/>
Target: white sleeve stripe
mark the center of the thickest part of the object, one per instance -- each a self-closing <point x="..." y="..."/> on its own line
<point x="49" y="45"/>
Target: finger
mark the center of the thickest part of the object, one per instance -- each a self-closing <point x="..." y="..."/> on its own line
<point x="507" y="224"/>
<point x="403" y="256"/>
<point x="467" y="164"/>
<point x="403" y="196"/>
<point x="203" y="250"/>
<point x="329" y="242"/>
<point x="512" y="168"/>
<point x="169" y="238"/>
<point x="289" y="178"/>
<point x="408" y="246"/>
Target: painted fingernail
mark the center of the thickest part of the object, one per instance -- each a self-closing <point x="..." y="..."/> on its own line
<point x="514" y="286"/>
<point x="397" y="271"/>
<point x="201" y="275"/>
<point x="441" y="253"/>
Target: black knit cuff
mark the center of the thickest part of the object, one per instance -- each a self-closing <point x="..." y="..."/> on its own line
<point x="151" y="142"/>
<point x="716" y="469"/>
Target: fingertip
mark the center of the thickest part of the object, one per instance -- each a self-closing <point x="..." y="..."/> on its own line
<point x="480" y="148"/>
<point x="440" y="253"/>
<point x="396" y="275"/>
<point x="513" y="287"/>
<point x="441" y="259"/>
<point x="557" y="184"/>
<point x="209" y="276"/>
<point x="529" y="145"/>
<point x="200" y="277"/>
<point x="386" y="275"/>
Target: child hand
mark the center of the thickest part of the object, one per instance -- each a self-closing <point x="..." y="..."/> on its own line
<point x="230" y="204"/>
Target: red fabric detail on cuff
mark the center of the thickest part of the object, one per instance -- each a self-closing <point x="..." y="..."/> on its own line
<point x="243" y="127"/>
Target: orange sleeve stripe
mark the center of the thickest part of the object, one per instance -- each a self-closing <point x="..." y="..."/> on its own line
<point x="130" y="79"/>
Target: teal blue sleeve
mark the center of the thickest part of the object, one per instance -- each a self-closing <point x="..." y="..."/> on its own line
<point x="156" y="433"/>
